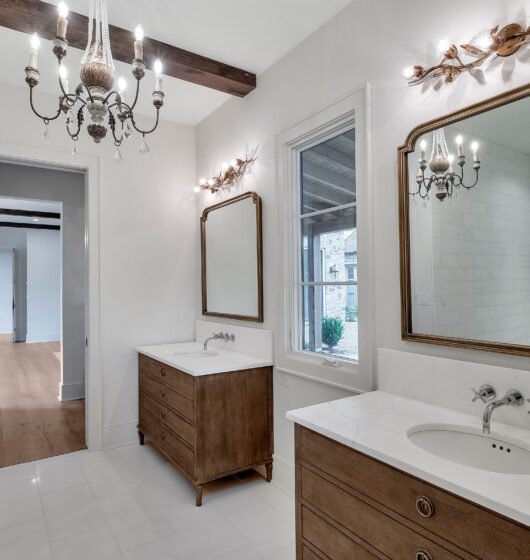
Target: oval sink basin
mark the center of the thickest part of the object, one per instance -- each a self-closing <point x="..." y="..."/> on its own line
<point x="462" y="445"/>
<point x="197" y="354"/>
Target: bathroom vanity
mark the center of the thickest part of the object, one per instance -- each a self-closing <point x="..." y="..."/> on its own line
<point x="366" y="487"/>
<point x="208" y="412"/>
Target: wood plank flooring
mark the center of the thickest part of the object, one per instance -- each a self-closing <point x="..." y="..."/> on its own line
<point x="34" y="424"/>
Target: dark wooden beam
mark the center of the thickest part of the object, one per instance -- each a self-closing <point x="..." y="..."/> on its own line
<point x="30" y="214"/>
<point x="27" y="226"/>
<point x="34" y="16"/>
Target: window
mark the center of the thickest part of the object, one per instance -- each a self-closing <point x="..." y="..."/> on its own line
<point x="327" y="222"/>
<point x="324" y="314"/>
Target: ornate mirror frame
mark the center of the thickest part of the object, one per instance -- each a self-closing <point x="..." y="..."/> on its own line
<point x="404" y="226"/>
<point x="259" y="252"/>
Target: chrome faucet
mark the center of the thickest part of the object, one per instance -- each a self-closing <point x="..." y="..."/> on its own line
<point x="219" y="336"/>
<point x="512" y="398"/>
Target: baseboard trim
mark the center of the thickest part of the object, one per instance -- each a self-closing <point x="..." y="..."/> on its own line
<point x="118" y="435"/>
<point x="283" y="475"/>
<point x="71" y="391"/>
<point x="44" y="337"/>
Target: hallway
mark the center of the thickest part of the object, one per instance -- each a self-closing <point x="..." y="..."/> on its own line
<point x="34" y="424"/>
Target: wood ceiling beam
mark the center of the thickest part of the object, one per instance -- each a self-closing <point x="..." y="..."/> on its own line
<point x="30" y="213"/>
<point x="35" y="16"/>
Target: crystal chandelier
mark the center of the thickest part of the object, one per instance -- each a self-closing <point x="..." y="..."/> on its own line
<point x="95" y="98"/>
<point x="444" y="178"/>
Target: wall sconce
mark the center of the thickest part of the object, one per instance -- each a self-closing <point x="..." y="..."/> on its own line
<point x="502" y="43"/>
<point x="228" y="177"/>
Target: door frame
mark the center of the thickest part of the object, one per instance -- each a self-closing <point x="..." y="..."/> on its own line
<point x="89" y="165"/>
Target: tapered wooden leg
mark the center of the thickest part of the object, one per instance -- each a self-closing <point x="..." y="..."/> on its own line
<point x="198" y="496"/>
<point x="141" y="437"/>
<point x="268" y="468"/>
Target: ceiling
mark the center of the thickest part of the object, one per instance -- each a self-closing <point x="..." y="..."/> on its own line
<point x="31" y="205"/>
<point x="249" y="34"/>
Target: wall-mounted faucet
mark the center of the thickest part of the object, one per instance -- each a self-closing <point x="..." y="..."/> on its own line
<point x="219" y="336"/>
<point x="512" y="398"/>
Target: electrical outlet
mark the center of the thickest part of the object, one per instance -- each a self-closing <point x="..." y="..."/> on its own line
<point x="283" y="379"/>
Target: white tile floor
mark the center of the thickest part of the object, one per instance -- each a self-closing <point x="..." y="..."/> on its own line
<point x="129" y="504"/>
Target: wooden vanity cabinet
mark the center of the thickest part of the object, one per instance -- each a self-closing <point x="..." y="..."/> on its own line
<point x="350" y="506"/>
<point x="207" y="426"/>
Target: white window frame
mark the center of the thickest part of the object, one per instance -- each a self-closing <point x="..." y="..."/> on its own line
<point x="351" y="111"/>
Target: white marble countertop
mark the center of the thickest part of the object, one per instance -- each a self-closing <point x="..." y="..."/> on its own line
<point x="377" y="424"/>
<point x="180" y="355"/>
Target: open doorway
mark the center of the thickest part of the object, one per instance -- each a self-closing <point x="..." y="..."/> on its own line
<point x="42" y="345"/>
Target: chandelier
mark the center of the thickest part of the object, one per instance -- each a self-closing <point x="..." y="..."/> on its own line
<point x="444" y="178"/>
<point x="95" y="98"/>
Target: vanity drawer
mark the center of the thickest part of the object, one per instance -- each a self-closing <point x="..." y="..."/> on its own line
<point x="168" y="375"/>
<point x="167" y="417"/>
<point x="480" y="532"/>
<point x="369" y="524"/>
<point x="165" y="394"/>
<point x="167" y="441"/>
<point x="329" y="540"/>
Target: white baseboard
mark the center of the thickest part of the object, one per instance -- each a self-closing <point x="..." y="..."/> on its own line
<point x="43" y="337"/>
<point x="71" y="391"/>
<point x="283" y="475"/>
<point x="118" y="435"/>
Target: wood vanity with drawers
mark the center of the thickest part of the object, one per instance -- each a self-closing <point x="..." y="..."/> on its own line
<point x="352" y="507"/>
<point x="207" y="426"/>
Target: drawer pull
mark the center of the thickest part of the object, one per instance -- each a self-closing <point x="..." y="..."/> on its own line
<point x="425" y="508"/>
<point x="163" y="372"/>
<point x="423" y="555"/>
<point x="162" y="436"/>
<point x="162" y="392"/>
<point x="163" y="413"/>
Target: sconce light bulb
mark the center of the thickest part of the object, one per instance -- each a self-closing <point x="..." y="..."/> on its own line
<point x="139" y="33"/>
<point x="408" y="72"/>
<point x="423" y="145"/>
<point x="211" y="182"/>
<point x="203" y="181"/>
<point x="474" y="146"/>
<point x="158" y="66"/>
<point x="34" y="41"/>
<point x="459" y="140"/>
<point x="443" y="45"/>
<point x="122" y="85"/>
<point x="225" y="166"/>
<point x="63" y="72"/>
<point x="62" y="9"/>
<point x="484" y="41"/>
<point x="196" y="189"/>
<point x="234" y="163"/>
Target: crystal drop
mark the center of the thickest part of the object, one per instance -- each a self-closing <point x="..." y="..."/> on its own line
<point x="428" y="197"/>
<point x="117" y="156"/>
<point x="47" y="135"/>
<point x="425" y="204"/>
<point x="144" y="148"/>
<point x="74" y="149"/>
<point x="127" y="132"/>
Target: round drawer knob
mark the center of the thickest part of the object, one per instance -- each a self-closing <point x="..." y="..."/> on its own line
<point x="423" y="555"/>
<point x="163" y="372"/>
<point x="162" y="392"/>
<point x="162" y="435"/>
<point x="425" y="508"/>
<point x="163" y="413"/>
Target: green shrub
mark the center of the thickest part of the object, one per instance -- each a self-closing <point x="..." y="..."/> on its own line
<point x="351" y="315"/>
<point x="332" y="331"/>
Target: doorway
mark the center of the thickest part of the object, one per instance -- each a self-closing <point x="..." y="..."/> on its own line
<point x="42" y="360"/>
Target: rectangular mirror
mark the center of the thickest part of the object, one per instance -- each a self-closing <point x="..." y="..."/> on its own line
<point x="232" y="259"/>
<point x="465" y="227"/>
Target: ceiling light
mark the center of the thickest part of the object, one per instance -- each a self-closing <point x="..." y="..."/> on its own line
<point x="95" y="101"/>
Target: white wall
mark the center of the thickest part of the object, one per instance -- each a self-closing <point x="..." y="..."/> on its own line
<point x="336" y="59"/>
<point x="44" y="285"/>
<point x="6" y="291"/>
<point x="148" y="245"/>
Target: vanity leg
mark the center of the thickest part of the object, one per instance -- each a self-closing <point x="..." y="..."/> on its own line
<point x="268" y="468"/>
<point x="141" y="437"/>
<point x="198" y="496"/>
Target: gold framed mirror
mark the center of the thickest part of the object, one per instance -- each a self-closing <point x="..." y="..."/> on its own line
<point x="464" y="220"/>
<point x="232" y="259"/>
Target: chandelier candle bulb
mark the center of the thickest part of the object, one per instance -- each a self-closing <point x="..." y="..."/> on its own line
<point x="158" y="75"/>
<point x="451" y="160"/>
<point x="34" y="51"/>
<point x="62" y="21"/>
<point x="423" y="148"/>
<point x="138" y="43"/>
<point x="460" y="145"/>
<point x="474" y="148"/>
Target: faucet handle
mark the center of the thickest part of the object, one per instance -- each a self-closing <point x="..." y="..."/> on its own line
<point x="529" y="402"/>
<point x="485" y="393"/>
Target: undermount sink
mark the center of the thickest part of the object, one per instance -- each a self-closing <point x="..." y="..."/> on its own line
<point x="197" y="354"/>
<point x="464" y="446"/>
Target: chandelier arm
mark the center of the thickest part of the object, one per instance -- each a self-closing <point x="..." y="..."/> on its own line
<point x="144" y="132"/>
<point x="136" y="95"/>
<point x="45" y="119"/>
<point x="117" y="141"/>
<point x="70" y="98"/>
<point x="80" y="120"/>
<point x="474" y="184"/>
